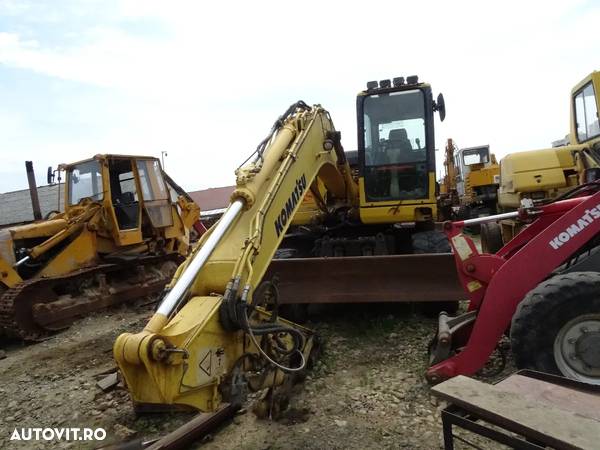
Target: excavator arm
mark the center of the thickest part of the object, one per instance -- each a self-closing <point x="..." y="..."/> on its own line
<point x="212" y="337"/>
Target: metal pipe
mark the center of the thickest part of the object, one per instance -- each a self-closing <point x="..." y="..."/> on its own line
<point x="189" y="274"/>
<point x="493" y="218"/>
<point x="21" y="261"/>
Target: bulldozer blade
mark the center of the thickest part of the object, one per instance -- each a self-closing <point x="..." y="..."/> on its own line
<point x="365" y="279"/>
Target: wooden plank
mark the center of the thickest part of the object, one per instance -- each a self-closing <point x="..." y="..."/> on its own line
<point x="555" y="427"/>
<point x="561" y="397"/>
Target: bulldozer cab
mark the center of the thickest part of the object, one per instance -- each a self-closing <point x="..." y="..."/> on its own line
<point x="131" y="188"/>
<point x="396" y="151"/>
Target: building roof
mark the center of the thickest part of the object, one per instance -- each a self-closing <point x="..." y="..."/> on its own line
<point x="15" y="207"/>
<point x="213" y="198"/>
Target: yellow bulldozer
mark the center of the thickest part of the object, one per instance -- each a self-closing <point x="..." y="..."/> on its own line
<point x="538" y="176"/>
<point x="218" y="331"/>
<point x="125" y="228"/>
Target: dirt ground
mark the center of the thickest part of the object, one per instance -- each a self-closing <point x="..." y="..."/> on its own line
<point x="366" y="392"/>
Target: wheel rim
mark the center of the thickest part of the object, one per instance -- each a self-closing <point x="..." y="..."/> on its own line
<point x="577" y="349"/>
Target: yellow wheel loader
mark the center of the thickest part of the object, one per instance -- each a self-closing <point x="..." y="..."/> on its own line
<point x="539" y="176"/>
<point x="121" y="236"/>
<point x="217" y="332"/>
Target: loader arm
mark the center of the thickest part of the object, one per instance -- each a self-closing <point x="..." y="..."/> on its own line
<point x="497" y="283"/>
<point x="200" y="342"/>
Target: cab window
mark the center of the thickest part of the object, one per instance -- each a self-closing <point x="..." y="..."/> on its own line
<point x="395" y="164"/>
<point x="586" y="114"/>
<point x="85" y="181"/>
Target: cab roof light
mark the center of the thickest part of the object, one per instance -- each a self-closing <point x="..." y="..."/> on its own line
<point x="398" y="81"/>
<point x="413" y="79"/>
<point x="383" y="84"/>
<point x="371" y="85"/>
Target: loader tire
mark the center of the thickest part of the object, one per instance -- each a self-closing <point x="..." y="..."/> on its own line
<point x="430" y="242"/>
<point x="491" y="237"/>
<point x="433" y="242"/>
<point x="556" y="328"/>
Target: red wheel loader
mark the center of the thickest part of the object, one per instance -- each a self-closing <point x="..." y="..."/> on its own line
<point x="542" y="289"/>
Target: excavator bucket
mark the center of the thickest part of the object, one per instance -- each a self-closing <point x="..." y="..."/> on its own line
<point x="389" y="278"/>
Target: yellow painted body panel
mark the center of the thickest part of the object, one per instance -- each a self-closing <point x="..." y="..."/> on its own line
<point x="80" y="253"/>
<point x="483" y="177"/>
<point x="397" y="211"/>
<point x="8" y="276"/>
<point x="38" y="229"/>
<point x="545" y="170"/>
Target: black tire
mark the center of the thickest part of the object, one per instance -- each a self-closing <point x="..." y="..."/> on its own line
<point x="430" y="242"/>
<point x="543" y="315"/>
<point x="491" y="237"/>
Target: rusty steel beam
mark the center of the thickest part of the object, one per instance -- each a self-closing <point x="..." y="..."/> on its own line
<point x="365" y="279"/>
<point x="195" y="429"/>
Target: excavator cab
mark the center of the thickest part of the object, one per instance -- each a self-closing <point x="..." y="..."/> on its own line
<point x="396" y="151"/>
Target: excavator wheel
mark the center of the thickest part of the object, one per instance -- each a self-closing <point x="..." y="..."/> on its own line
<point x="556" y="328"/>
<point x="433" y="242"/>
<point x="491" y="237"/>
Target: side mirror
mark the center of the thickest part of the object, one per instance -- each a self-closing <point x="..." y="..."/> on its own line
<point x="50" y="175"/>
<point x="440" y="106"/>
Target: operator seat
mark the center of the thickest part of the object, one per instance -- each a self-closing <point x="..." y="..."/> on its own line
<point x="400" y="146"/>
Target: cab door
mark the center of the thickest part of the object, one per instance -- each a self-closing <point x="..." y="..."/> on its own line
<point x="125" y="201"/>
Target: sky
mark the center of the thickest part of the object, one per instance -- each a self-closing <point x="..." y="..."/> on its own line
<point x="204" y="81"/>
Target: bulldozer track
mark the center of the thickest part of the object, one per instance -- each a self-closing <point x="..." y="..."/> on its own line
<point x="17" y="315"/>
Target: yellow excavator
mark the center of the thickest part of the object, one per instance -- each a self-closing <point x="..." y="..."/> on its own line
<point x="125" y="229"/>
<point x="218" y="331"/>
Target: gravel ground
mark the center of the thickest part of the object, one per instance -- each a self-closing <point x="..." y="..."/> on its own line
<point x="366" y="392"/>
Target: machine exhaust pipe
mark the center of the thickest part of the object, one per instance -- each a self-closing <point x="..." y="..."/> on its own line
<point x="35" y="201"/>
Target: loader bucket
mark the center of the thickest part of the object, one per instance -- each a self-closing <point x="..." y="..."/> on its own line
<point x="365" y="279"/>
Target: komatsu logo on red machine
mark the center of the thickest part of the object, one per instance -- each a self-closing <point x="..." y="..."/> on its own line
<point x="288" y="209"/>
<point x="585" y="220"/>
